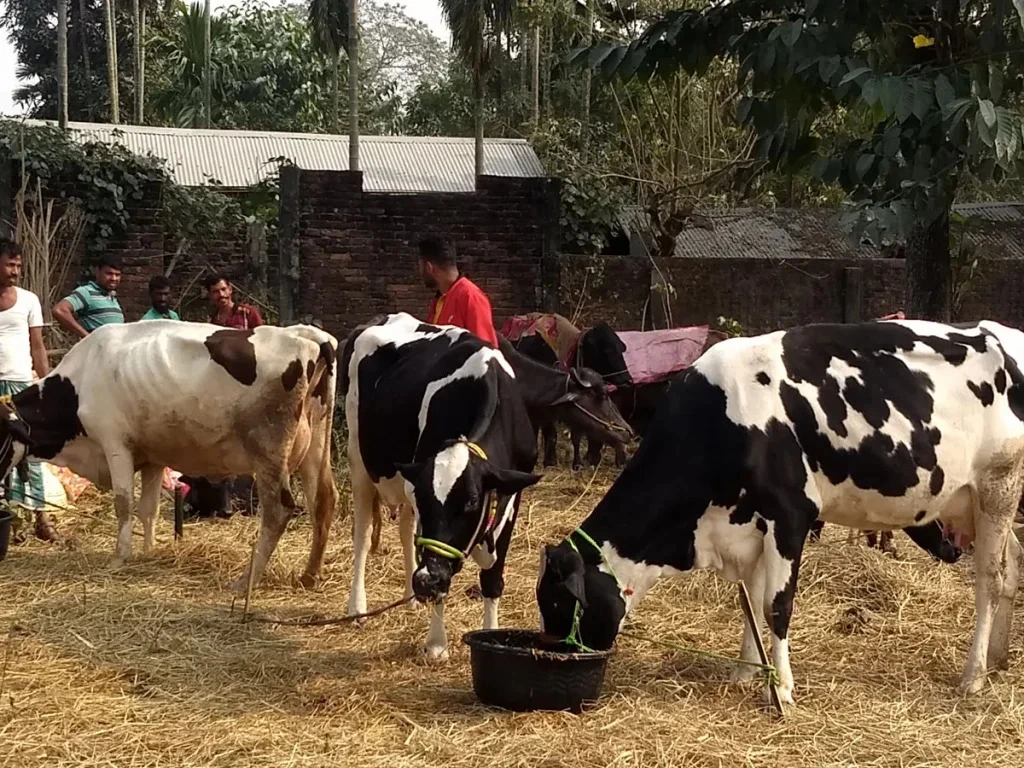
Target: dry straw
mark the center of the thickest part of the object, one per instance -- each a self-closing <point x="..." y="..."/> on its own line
<point x="144" y="666"/>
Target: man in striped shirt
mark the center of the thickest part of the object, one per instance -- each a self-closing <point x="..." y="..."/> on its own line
<point x="94" y="304"/>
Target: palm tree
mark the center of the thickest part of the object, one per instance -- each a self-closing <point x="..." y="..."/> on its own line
<point x="207" y="64"/>
<point x="137" y="59"/>
<point x="108" y="15"/>
<point x="62" y="63"/>
<point x="331" y="22"/>
<point x="477" y="26"/>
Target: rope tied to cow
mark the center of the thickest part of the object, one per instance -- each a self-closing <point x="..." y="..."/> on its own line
<point x="325" y="622"/>
<point x="573" y="639"/>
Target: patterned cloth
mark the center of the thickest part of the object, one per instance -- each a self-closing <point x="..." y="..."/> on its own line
<point x="94" y="307"/>
<point x="36" y="496"/>
<point x="559" y="334"/>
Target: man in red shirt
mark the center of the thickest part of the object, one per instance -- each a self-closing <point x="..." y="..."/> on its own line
<point x="459" y="301"/>
<point x="225" y="311"/>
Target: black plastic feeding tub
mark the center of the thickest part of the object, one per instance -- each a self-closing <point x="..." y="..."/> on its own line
<point x="519" y="669"/>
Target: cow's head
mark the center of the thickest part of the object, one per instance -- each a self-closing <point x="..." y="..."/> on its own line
<point x="15" y="441"/>
<point x="601" y="349"/>
<point x="460" y="499"/>
<point x="587" y="407"/>
<point x="578" y="599"/>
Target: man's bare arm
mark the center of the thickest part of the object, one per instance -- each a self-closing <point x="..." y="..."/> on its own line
<point x="65" y="315"/>
<point x="40" y="362"/>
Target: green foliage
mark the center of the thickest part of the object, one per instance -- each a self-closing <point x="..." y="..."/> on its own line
<point x="941" y="93"/>
<point x="107" y="180"/>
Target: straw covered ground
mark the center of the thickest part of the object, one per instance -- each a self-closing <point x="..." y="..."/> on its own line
<point x="144" y="666"/>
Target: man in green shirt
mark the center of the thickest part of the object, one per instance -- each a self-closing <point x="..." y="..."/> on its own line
<point x="94" y="304"/>
<point x="160" y="298"/>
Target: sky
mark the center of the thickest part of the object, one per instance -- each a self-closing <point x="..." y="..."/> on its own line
<point x="427" y="11"/>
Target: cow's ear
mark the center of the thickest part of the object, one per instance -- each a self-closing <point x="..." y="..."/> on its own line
<point x="575" y="376"/>
<point x="568" y="568"/>
<point x="508" y="481"/>
<point x="410" y="471"/>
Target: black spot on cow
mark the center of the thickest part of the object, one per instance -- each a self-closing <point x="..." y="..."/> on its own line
<point x="310" y="368"/>
<point x="232" y="349"/>
<point x="875" y="410"/>
<point x="833" y="406"/>
<point x="920" y="516"/>
<point x="763" y="378"/>
<point x="50" y="412"/>
<point x="1000" y="381"/>
<point x="762" y="526"/>
<point x="291" y="375"/>
<point x="937" y="481"/>
<point x="287" y="500"/>
<point x="782" y="605"/>
<point x="1015" y="393"/>
<point x="983" y="392"/>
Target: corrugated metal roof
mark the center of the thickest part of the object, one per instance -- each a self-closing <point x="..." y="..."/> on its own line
<point x="389" y="163"/>
<point x="996" y="230"/>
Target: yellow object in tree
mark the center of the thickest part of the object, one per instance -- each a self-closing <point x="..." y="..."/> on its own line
<point x="923" y="41"/>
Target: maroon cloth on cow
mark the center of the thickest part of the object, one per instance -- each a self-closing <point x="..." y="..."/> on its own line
<point x="655" y="355"/>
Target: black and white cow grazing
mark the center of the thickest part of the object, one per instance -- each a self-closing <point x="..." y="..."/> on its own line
<point x="874" y="426"/>
<point x="438" y="427"/>
<point x="201" y="399"/>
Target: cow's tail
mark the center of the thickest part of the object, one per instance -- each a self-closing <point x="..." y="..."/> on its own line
<point x="320" y="400"/>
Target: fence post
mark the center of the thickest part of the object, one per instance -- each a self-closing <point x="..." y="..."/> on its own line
<point x="853" y="294"/>
<point x="288" y="243"/>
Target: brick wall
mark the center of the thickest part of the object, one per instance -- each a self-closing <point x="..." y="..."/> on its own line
<point x="357" y="250"/>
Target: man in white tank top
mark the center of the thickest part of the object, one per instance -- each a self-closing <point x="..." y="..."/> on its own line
<point x="22" y="360"/>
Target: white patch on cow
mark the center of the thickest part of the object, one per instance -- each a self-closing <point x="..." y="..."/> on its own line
<point x="729" y="549"/>
<point x="634" y="577"/>
<point x="485" y="555"/>
<point x="437" y="640"/>
<point x="449" y="465"/>
<point x="490" y="613"/>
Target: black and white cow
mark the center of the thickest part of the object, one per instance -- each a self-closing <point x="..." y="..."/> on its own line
<point x="438" y="427"/>
<point x="874" y="426"/>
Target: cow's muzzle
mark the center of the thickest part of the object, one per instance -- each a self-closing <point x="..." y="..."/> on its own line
<point x="431" y="581"/>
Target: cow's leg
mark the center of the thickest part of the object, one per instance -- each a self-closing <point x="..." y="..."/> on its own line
<point x="276" y="507"/>
<point x="149" y="503"/>
<point x="492" y="580"/>
<point x="594" y="448"/>
<point x="407" y="532"/>
<point x="364" y="497"/>
<point x="549" y="431"/>
<point x="993" y="583"/>
<point x="781" y="566"/>
<point x="577" y="437"/>
<point x="620" y="455"/>
<point x="748" y="649"/>
<point x="999" y="642"/>
<point x="321" y="499"/>
<point x="436" y="648"/>
<point x="122" y="481"/>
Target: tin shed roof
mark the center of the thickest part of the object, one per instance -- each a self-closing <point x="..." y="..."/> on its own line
<point x="389" y="163"/>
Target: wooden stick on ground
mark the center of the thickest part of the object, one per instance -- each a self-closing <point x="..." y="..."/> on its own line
<point x="748" y="610"/>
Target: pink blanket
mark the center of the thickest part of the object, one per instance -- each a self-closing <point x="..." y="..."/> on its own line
<point x="656" y="355"/>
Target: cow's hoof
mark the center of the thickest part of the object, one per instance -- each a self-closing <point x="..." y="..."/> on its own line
<point x="972" y="685"/>
<point x="785" y="696"/>
<point x="308" y="581"/>
<point x="117" y="562"/>
<point x="744" y="673"/>
<point x="239" y="585"/>
<point x="435" y="654"/>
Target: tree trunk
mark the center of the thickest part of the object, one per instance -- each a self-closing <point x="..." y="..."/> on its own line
<point x="353" y="85"/>
<point x="336" y="94"/>
<point x="62" y="63"/>
<point x="137" y="59"/>
<point x="536" y="75"/>
<point x="207" y="67"/>
<point x="82" y="20"/>
<point x="478" y="120"/>
<point x="142" y="66"/>
<point x="548" y="54"/>
<point x="587" y="82"/>
<point x="927" y="265"/>
<point x="115" y="109"/>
